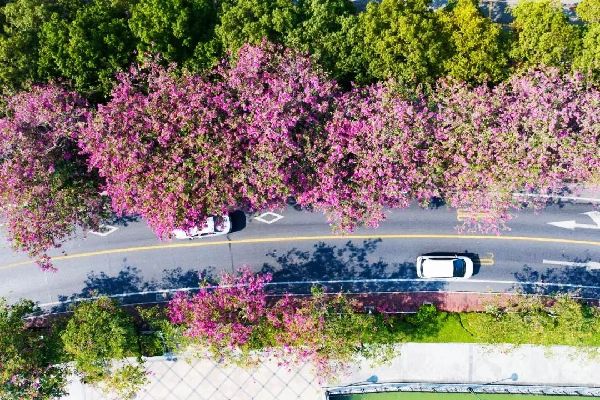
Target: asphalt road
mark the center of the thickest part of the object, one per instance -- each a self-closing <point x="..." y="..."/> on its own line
<point x="301" y="247"/>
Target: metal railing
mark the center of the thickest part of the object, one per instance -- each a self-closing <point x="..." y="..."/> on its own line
<point x="333" y="392"/>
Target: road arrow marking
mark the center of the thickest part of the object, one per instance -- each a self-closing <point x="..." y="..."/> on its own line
<point x="594" y="215"/>
<point x="588" y="264"/>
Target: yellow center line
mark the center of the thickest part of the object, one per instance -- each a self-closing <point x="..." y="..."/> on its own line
<point x="310" y="238"/>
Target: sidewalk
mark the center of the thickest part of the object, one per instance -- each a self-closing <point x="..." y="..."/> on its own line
<point x="416" y="362"/>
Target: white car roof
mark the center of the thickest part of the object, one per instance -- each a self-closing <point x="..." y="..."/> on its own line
<point x="438" y="268"/>
<point x="210" y="226"/>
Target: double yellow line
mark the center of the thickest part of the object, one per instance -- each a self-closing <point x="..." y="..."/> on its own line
<point x="488" y="260"/>
<point x="208" y="243"/>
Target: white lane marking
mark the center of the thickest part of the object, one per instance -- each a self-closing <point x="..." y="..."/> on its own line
<point x="268" y="217"/>
<point x="105" y="230"/>
<point x="588" y="264"/>
<point x="549" y="196"/>
<point x="314" y="282"/>
<point x="594" y="215"/>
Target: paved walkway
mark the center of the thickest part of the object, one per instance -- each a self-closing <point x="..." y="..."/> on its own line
<point x="436" y="363"/>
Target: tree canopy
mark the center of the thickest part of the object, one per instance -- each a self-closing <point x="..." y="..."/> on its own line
<point x="479" y="51"/>
<point x="544" y="35"/>
<point x="403" y="40"/>
<point x="29" y="358"/>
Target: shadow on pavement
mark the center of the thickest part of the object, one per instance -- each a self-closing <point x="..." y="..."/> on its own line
<point x="345" y="268"/>
<point x="131" y="288"/>
<point x="123" y="220"/>
<point x="578" y="281"/>
<point x="238" y="220"/>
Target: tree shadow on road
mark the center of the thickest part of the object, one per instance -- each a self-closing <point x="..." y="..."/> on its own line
<point x="123" y="220"/>
<point x="350" y="267"/>
<point x="578" y="281"/>
<point x="131" y="287"/>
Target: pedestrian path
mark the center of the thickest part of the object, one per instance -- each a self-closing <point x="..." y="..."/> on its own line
<point x="415" y="362"/>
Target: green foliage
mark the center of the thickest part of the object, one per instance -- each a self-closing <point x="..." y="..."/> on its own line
<point x="19" y="41"/>
<point x="588" y="60"/>
<point x="589" y="11"/>
<point x="325" y="30"/>
<point x="478" y="51"/>
<point x="169" y="335"/>
<point x="98" y="333"/>
<point x="533" y="320"/>
<point x="90" y="48"/>
<point x="403" y="40"/>
<point x="126" y="381"/>
<point x="173" y="28"/>
<point x="249" y="21"/>
<point x="544" y="35"/>
<point x="28" y="356"/>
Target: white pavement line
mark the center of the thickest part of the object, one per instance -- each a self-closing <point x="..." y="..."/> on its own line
<point x="588" y="264"/>
<point x="314" y="282"/>
<point x="547" y="196"/>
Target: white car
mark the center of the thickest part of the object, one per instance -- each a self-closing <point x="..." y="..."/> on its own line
<point x="215" y="226"/>
<point x="457" y="267"/>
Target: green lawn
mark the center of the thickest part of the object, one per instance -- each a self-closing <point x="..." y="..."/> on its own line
<point x="442" y="396"/>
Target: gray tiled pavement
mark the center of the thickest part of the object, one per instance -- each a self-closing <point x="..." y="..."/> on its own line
<point x="444" y="362"/>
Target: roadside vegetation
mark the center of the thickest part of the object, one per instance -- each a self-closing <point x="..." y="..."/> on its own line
<point x="84" y="43"/>
<point x="175" y="110"/>
<point x="236" y="321"/>
<point x="271" y="124"/>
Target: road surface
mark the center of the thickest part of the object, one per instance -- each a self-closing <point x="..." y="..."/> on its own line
<point x="298" y="246"/>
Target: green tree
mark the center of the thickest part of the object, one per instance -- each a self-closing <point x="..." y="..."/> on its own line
<point x="325" y="30"/>
<point x="173" y="28"/>
<point x="589" y="58"/>
<point x="19" y="41"/>
<point x="249" y="21"/>
<point x="478" y="51"/>
<point x="403" y="40"/>
<point x="28" y="357"/>
<point x="90" y="48"/>
<point x="589" y="11"/>
<point x="98" y="334"/>
<point x="544" y="35"/>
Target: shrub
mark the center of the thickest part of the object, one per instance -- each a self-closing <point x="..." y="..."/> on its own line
<point x="98" y="333"/>
<point x="29" y="358"/>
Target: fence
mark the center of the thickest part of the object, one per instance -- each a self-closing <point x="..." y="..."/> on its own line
<point x="463" y="388"/>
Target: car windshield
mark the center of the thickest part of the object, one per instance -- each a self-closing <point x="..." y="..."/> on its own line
<point x="459" y="267"/>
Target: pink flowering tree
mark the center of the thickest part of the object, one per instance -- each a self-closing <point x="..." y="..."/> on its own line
<point x="234" y="318"/>
<point x="176" y="149"/>
<point x="530" y="134"/>
<point x="223" y="318"/>
<point x="372" y="158"/>
<point x="324" y="330"/>
<point x="46" y="191"/>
